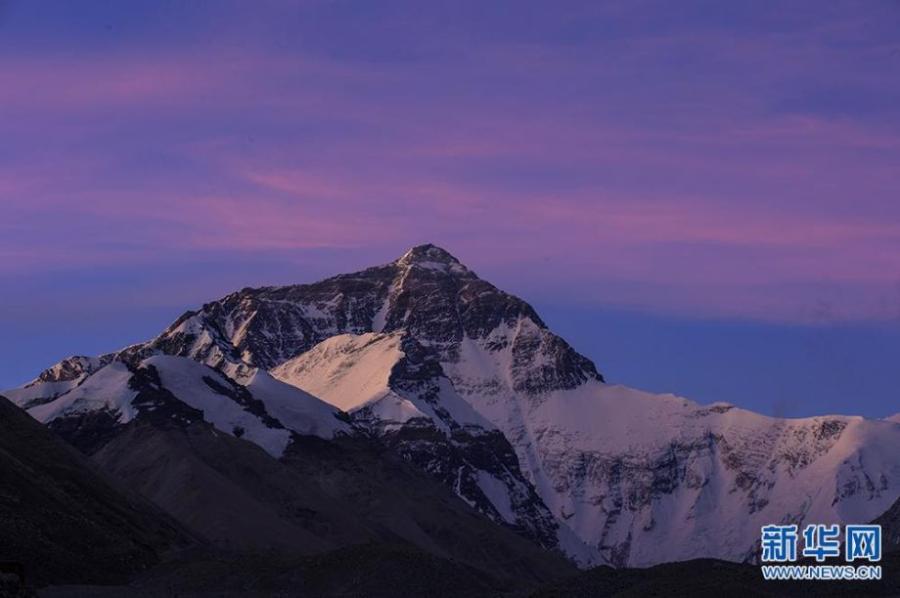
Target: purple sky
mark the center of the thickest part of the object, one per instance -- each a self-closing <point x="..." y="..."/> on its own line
<point x="691" y="161"/>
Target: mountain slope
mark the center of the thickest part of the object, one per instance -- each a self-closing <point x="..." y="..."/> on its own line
<point x="211" y="453"/>
<point x="395" y="388"/>
<point x="659" y="478"/>
<point x="63" y="520"/>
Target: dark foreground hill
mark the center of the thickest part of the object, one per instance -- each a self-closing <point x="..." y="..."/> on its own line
<point x="378" y="571"/>
<point x="64" y="520"/>
<point x="375" y="571"/>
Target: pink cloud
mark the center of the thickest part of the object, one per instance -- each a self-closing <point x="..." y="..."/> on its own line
<point x="529" y="157"/>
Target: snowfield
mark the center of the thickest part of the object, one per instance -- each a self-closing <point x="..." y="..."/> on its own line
<point x="353" y="372"/>
<point x="281" y="411"/>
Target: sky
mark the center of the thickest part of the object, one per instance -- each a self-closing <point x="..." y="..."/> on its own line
<point x="701" y="196"/>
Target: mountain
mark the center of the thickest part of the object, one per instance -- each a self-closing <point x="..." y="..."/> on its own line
<point x="394" y="387"/>
<point x="469" y="385"/>
<point x="262" y="468"/>
<point x="890" y="528"/>
<point x="63" y="520"/>
<point x="435" y="302"/>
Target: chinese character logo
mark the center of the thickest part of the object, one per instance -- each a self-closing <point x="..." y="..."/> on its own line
<point x="821" y="541"/>
<point x="863" y="542"/>
<point x="779" y="543"/>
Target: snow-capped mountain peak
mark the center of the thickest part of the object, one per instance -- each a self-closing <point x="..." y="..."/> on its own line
<point x="426" y="293"/>
<point x="433" y="258"/>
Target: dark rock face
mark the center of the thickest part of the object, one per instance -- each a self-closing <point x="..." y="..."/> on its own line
<point x="72" y="368"/>
<point x="243" y="397"/>
<point x="87" y="431"/>
<point x="465" y="460"/>
<point x="156" y="404"/>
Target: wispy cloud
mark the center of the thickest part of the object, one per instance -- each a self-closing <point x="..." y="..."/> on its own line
<point x="696" y="161"/>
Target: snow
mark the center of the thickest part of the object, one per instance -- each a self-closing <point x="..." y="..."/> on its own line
<point x="378" y="320"/>
<point x="63" y="377"/>
<point x="184" y="379"/>
<point x="40" y="390"/>
<point x="496" y="492"/>
<point x="347" y="371"/>
<point x="458" y="409"/>
<point x="297" y="410"/>
<point x="393" y="411"/>
<point x="352" y="372"/>
<point x="441" y="261"/>
<point x="107" y="388"/>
